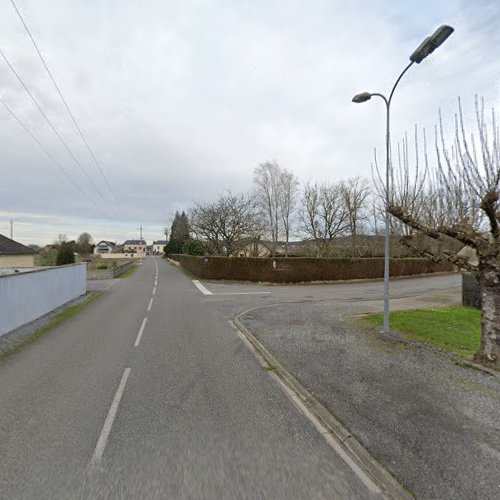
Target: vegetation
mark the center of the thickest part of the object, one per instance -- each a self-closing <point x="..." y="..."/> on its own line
<point x="65" y="254"/>
<point x="457" y="200"/>
<point x="179" y="234"/>
<point x="455" y="329"/>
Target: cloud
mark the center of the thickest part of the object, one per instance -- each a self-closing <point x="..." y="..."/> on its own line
<point x="181" y="99"/>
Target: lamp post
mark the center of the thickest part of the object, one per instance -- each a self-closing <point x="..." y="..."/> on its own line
<point x="423" y="50"/>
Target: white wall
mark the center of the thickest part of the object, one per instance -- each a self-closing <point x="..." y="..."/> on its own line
<point x="27" y="296"/>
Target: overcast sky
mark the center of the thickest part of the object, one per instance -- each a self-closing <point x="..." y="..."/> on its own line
<point x="180" y="100"/>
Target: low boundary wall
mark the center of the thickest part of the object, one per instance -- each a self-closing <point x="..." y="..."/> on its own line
<point x="112" y="272"/>
<point x="303" y="269"/>
<point x="26" y="296"/>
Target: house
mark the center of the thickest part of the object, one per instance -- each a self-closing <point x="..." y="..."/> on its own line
<point x="104" y="247"/>
<point x="135" y="246"/>
<point x="158" y="246"/>
<point x="14" y="254"/>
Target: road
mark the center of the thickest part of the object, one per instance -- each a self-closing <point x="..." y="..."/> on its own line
<point x="149" y="393"/>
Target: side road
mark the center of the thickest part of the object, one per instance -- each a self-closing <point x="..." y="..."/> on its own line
<point x="432" y="423"/>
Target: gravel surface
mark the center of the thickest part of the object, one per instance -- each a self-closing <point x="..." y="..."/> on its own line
<point x="432" y="423"/>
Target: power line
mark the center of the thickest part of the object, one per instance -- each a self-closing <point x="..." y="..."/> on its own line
<point x="42" y="147"/>
<point x="51" y="125"/>
<point x="42" y="59"/>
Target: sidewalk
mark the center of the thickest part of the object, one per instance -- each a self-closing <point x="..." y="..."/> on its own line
<point x="434" y="424"/>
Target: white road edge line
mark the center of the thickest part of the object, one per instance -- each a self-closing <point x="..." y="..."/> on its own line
<point x="139" y="335"/>
<point x="154" y="290"/>
<point x="108" y="423"/>
<point x="201" y="288"/>
<point x="150" y="304"/>
<point x="156" y="282"/>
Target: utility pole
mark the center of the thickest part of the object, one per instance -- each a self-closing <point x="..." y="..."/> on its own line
<point x="11" y="229"/>
<point x="140" y="228"/>
<point x="165" y="230"/>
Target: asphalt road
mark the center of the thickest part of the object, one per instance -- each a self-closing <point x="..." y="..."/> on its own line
<point x="149" y="393"/>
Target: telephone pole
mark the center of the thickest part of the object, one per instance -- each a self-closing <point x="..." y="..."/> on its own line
<point x="11" y="229"/>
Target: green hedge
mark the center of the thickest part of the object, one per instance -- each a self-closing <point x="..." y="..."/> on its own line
<point x="300" y="269"/>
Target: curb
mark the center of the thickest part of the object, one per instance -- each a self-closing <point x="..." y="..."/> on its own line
<point x="387" y="483"/>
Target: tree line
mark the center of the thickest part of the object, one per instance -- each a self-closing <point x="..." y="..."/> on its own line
<point x="438" y="207"/>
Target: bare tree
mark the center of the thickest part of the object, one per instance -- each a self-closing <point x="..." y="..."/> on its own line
<point x="226" y="225"/>
<point x="323" y="214"/>
<point x="355" y="193"/>
<point x="84" y="244"/>
<point x="276" y="194"/>
<point x="287" y="200"/>
<point x="457" y="200"/>
<point x="266" y="179"/>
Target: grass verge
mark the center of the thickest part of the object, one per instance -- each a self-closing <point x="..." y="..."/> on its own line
<point x="455" y="329"/>
<point x="56" y="320"/>
<point x="126" y="274"/>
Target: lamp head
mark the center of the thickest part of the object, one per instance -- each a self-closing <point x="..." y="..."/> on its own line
<point x="363" y="97"/>
<point x="431" y="43"/>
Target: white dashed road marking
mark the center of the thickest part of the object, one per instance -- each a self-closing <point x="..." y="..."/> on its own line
<point x="108" y="423"/>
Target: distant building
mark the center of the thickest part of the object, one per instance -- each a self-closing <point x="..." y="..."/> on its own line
<point x="135" y="246"/>
<point x="158" y="246"/>
<point x="104" y="247"/>
<point x="14" y="254"/>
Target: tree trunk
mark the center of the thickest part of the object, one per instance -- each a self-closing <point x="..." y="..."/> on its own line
<point x="490" y="324"/>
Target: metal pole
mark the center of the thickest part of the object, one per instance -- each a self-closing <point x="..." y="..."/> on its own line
<point x="387" y="217"/>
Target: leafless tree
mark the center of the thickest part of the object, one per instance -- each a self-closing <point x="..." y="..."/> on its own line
<point x="457" y="200"/>
<point x="355" y="193"/>
<point x="323" y="214"/>
<point x="224" y="226"/>
<point x="276" y="195"/>
<point x="84" y="243"/>
<point x="266" y="180"/>
<point x="287" y="199"/>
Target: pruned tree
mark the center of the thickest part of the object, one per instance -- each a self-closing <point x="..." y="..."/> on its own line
<point x="457" y="200"/>
<point x="227" y="224"/>
<point x="323" y="214"/>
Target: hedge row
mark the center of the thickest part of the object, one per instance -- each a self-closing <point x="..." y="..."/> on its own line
<point x="300" y="269"/>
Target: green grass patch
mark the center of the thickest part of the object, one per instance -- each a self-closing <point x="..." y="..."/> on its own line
<point x="126" y="274"/>
<point x="455" y="329"/>
<point x="56" y="320"/>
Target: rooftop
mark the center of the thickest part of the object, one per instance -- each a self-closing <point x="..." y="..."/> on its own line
<point x="11" y="247"/>
<point x="134" y="242"/>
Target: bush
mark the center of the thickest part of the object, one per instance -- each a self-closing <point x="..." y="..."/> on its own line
<point x="102" y="266"/>
<point x="193" y="247"/>
<point x="65" y="255"/>
<point x="300" y="269"/>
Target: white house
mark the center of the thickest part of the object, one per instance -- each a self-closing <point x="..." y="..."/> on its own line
<point x="104" y="247"/>
<point x="135" y="246"/>
<point x="158" y="246"/>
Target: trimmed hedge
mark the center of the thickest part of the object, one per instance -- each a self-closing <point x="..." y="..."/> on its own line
<point x="300" y="269"/>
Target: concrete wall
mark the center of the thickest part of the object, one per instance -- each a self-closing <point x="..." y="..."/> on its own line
<point x="129" y="255"/>
<point x="17" y="261"/>
<point x="112" y="272"/>
<point x="25" y="297"/>
<point x="471" y="291"/>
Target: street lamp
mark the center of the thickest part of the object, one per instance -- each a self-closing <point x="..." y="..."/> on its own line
<point x="428" y="46"/>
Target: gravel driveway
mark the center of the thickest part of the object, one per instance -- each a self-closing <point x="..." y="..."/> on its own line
<point x="433" y="423"/>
